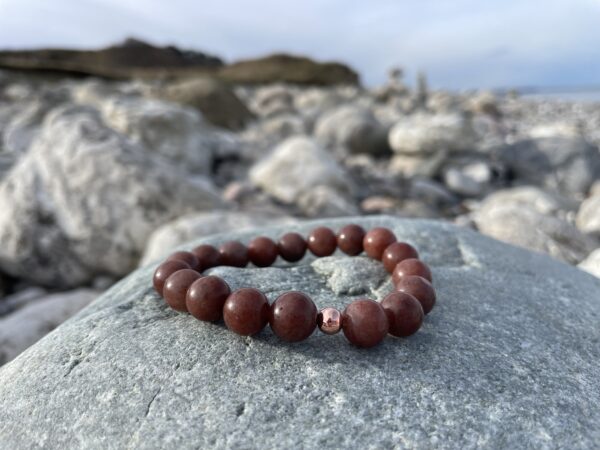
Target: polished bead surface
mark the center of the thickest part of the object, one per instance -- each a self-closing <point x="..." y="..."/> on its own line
<point x="207" y="255"/>
<point x="246" y="311"/>
<point x="292" y="247"/>
<point x="377" y="240"/>
<point x="164" y="271"/>
<point x="262" y="251"/>
<point x="329" y="320"/>
<point x="233" y="253"/>
<point x="365" y="323"/>
<point x="176" y="288"/>
<point x="419" y="288"/>
<point x="293" y="316"/>
<point x="395" y="253"/>
<point x="322" y="241"/>
<point x="404" y="313"/>
<point x="350" y="239"/>
<point x="205" y="298"/>
<point x="187" y="257"/>
<point x="411" y="266"/>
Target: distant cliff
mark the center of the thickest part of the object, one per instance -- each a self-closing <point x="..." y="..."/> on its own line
<point x="137" y="59"/>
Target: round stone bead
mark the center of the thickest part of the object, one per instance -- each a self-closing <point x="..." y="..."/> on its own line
<point x="329" y="320"/>
<point x="365" y="323"/>
<point x="246" y="311"/>
<point x="233" y="253"/>
<point x="292" y="247"/>
<point x="350" y="239"/>
<point x="205" y="298"/>
<point x="404" y="313"/>
<point x="293" y="316"/>
<point x="395" y="253"/>
<point x="262" y="251"/>
<point x="322" y="241"/>
<point x="419" y="288"/>
<point x="377" y="240"/>
<point x="164" y="271"/>
<point x="186" y="257"/>
<point x="176" y="288"/>
<point x="411" y="266"/>
<point x="207" y="255"/>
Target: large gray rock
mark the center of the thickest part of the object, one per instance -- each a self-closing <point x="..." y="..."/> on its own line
<point x="295" y="167"/>
<point x="534" y="219"/>
<point x="509" y="358"/>
<point x="176" y="134"/>
<point x="568" y="165"/>
<point x="83" y="200"/>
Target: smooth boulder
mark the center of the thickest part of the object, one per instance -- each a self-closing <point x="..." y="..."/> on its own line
<point x="508" y="357"/>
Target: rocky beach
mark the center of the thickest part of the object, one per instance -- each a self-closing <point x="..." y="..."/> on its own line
<point x="103" y="172"/>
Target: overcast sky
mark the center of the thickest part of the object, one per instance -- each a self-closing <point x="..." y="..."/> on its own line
<point x="458" y="43"/>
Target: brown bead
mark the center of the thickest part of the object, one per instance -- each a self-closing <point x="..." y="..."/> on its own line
<point x="205" y="298"/>
<point x="262" y="251"/>
<point x="233" y="253"/>
<point x="404" y="313"/>
<point x="207" y="255"/>
<point x="293" y="316"/>
<point x="176" y="288"/>
<point x="365" y="323"/>
<point x="377" y="240"/>
<point x="411" y="266"/>
<point x="164" y="271"/>
<point x="395" y="253"/>
<point x="350" y="239"/>
<point x="292" y="247"/>
<point x="246" y="311"/>
<point x="329" y="320"/>
<point x="322" y="241"/>
<point x="419" y="288"/>
<point x="186" y="257"/>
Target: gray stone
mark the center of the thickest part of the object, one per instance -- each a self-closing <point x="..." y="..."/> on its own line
<point x="37" y="318"/>
<point x="217" y="102"/>
<point x="508" y="359"/>
<point x="431" y="133"/>
<point x="84" y="199"/>
<point x="352" y="129"/>
<point x="567" y="165"/>
<point x="530" y="218"/>
<point x="296" y="166"/>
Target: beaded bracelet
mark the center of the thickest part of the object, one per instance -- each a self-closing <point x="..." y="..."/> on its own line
<point x="293" y="316"/>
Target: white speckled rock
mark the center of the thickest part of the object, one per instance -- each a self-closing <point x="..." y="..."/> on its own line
<point x="426" y="134"/>
<point x="83" y="201"/>
<point x="531" y="218"/>
<point x="295" y="167"/>
<point x="588" y="216"/>
<point x="175" y="133"/>
<point x="508" y="359"/>
<point x="37" y="318"/>
<point x="591" y="264"/>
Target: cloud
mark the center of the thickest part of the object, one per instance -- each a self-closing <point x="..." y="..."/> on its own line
<point x="460" y="44"/>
